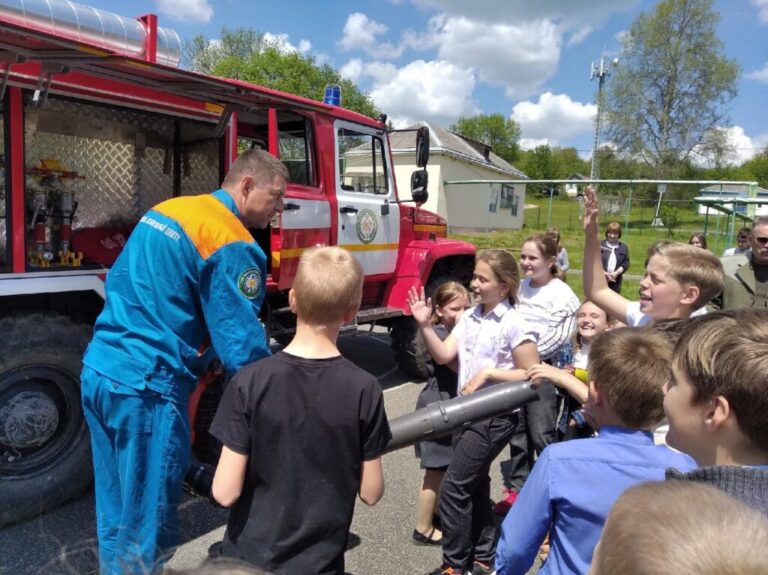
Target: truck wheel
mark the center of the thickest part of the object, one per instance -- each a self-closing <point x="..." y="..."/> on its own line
<point x="410" y="351"/>
<point x="45" y="451"/>
<point x="407" y="344"/>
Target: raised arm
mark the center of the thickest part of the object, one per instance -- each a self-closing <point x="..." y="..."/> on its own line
<point x="595" y="286"/>
<point x="442" y="351"/>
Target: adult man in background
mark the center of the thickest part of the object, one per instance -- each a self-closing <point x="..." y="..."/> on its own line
<point x="742" y="244"/>
<point x="746" y="282"/>
<point x="190" y="276"/>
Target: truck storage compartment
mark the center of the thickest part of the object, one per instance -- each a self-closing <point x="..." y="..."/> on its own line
<point x="98" y="168"/>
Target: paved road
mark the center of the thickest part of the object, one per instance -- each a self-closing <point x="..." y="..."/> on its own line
<point x="63" y="541"/>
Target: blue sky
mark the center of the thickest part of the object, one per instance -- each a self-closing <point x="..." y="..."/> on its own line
<point x="440" y="59"/>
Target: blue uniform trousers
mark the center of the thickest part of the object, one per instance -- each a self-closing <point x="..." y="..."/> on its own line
<point x="141" y="451"/>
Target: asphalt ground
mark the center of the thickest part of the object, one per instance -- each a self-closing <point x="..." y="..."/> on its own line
<point x="64" y="541"/>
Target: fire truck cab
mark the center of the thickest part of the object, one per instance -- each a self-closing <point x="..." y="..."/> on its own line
<point x="99" y="124"/>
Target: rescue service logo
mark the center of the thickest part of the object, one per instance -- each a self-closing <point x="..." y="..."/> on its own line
<point x="367" y="226"/>
<point x="249" y="283"/>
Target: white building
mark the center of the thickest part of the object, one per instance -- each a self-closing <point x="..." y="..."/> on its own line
<point x="467" y="207"/>
<point x="734" y="192"/>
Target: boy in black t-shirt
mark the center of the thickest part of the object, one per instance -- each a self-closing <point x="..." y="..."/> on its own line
<point x="303" y="432"/>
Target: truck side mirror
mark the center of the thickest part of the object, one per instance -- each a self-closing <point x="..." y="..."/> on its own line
<point x="419" y="180"/>
<point x="422" y="147"/>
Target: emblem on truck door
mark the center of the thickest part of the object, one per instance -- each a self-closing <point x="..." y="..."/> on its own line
<point x="367" y="226"/>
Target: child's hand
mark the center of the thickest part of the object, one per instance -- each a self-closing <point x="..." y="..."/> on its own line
<point x="590" y="209"/>
<point x="478" y="380"/>
<point x="544" y="371"/>
<point x="420" y="309"/>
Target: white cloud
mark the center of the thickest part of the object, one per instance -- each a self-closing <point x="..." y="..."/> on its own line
<point x="760" y="142"/>
<point x="553" y="118"/>
<point x="437" y="91"/>
<point x="579" y="35"/>
<point x="571" y="13"/>
<point x="361" y="33"/>
<point x="760" y="75"/>
<point x="304" y="46"/>
<point x="197" y="11"/>
<point x="352" y="70"/>
<point x="762" y="7"/>
<point x="284" y="44"/>
<point x="741" y="147"/>
<point x="521" y="56"/>
<point x="531" y="143"/>
<point x="744" y="147"/>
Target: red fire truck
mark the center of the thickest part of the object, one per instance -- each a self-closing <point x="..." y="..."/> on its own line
<point x="100" y="124"/>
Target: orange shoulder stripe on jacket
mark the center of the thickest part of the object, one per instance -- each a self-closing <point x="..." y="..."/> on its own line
<point x="207" y="222"/>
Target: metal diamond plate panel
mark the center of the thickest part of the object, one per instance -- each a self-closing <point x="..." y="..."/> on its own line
<point x="199" y="159"/>
<point x="125" y="158"/>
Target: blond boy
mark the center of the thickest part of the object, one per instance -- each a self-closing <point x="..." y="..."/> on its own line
<point x="303" y="432"/>
<point x="716" y="403"/>
<point x="681" y="527"/>
<point x="679" y="279"/>
<point x="574" y="484"/>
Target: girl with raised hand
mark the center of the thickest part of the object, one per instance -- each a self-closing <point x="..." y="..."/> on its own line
<point x="493" y="344"/>
<point x="450" y="300"/>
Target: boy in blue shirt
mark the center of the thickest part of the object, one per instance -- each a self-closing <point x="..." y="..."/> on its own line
<point x="574" y="484"/>
<point x="716" y="403"/>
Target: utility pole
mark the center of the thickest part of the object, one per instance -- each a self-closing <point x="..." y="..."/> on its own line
<point x="601" y="72"/>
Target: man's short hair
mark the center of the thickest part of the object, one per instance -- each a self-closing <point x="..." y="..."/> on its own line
<point x="681" y="527"/>
<point x="328" y="285"/>
<point x="759" y="221"/>
<point x="692" y="266"/>
<point x="725" y="353"/>
<point x="259" y="164"/>
<point x="630" y="366"/>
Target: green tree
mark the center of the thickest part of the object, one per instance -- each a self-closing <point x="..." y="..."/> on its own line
<point x="245" y="55"/>
<point x="568" y="162"/>
<point x="494" y="130"/>
<point x="671" y="88"/>
<point x="539" y="164"/>
<point x="757" y="168"/>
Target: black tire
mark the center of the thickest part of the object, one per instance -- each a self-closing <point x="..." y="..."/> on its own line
<point x="408" y="347"/>
<point x="407" y="344"/>
<point x="45" y="451"/>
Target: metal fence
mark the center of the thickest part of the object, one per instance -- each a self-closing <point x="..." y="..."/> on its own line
<point x="547" y="206"/>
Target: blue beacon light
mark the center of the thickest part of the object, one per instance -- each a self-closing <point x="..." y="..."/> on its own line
<point x="332" y="95"/>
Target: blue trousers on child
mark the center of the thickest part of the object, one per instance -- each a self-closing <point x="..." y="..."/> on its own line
<point x="141" y="451"/>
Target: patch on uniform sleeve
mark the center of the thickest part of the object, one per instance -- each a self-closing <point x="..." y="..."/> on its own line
<point x="249" y="283"/>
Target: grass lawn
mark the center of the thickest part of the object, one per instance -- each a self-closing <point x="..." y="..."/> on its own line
<point x="565" y="215"/>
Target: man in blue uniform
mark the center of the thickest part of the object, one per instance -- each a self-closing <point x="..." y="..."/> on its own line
<point x="190" y="274"/>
